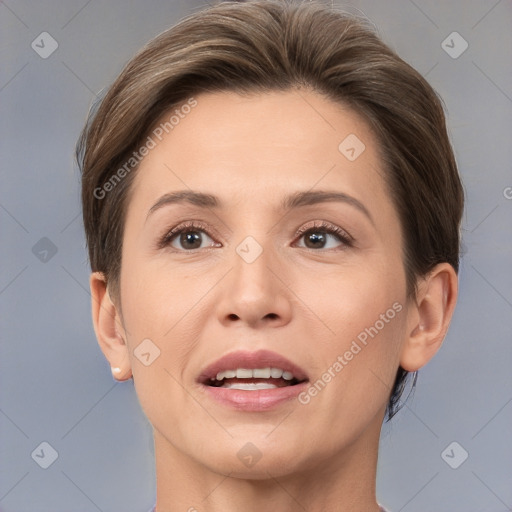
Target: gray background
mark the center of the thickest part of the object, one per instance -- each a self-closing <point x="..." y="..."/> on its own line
<point x="55" y="385"/>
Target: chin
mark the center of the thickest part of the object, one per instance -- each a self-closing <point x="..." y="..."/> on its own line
<point x="252" y="458"/>
<point x="263" y="469"/>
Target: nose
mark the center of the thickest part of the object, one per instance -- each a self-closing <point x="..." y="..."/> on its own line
<point x="255" y="293"/>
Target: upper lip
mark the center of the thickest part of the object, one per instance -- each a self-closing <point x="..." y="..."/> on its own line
<point x="251" y="360"/>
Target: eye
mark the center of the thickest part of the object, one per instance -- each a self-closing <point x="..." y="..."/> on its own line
<point x="186" y="237"/>
<point x="193" y="235"/>
<point x="321" y="235"/>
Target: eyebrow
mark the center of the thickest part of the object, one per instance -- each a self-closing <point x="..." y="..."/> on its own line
<point x="291" y="202"/>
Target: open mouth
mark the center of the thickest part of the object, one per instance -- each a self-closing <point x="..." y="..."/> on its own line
<point x="247" y="379"/>
<point x="253" y="380"/>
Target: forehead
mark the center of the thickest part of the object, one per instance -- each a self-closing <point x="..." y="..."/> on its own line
<point x="274" y="141"/>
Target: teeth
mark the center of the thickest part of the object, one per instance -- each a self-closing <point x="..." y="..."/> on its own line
<point x="276" y="373"/>
<point x="261" y="373"/>
<point x="257" y="373"/>
<point x="248" y="386"/>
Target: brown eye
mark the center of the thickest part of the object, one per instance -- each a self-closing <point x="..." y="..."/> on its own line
<point x="315" y="240"/>
<point x="189" y="239"/>
<point x="324" y="236"/>
<point x="186" y="238"/>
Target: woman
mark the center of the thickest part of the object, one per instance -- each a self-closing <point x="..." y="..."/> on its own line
<point x="272" y="211"/>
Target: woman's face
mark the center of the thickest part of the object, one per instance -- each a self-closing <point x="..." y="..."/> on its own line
<point x="295" y="251"/>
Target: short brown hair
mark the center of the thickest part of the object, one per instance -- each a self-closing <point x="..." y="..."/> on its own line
<point x="266" y="45"/>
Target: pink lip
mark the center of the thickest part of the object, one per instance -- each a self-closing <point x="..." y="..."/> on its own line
<point x="259" y="400"/>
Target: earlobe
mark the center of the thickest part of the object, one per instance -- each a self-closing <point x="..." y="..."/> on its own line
<point x="430" y="317"/>
<point x="108" y="328"/>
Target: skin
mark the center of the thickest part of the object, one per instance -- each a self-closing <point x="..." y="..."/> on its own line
<point x="307" y="303"/>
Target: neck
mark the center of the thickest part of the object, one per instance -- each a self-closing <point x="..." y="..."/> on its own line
<point x="342" y="482"/>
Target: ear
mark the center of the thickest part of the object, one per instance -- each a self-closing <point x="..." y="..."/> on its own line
<point x="429" y="317"/>
<point x="108" y="328"/>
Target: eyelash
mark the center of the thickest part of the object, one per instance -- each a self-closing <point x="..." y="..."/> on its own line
<point x="323" y="226"/>
<point x="329" y="228"/>
<point x="182" y="228"/>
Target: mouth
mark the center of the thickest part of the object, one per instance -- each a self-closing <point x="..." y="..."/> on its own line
<point x="253" y="380"/>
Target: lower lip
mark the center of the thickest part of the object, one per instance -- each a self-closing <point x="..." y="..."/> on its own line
<point x="256" y="400"/>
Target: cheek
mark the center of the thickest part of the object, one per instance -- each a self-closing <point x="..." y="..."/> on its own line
<point x="164" y="304"/>
<point x="155" y="294"/>
<point x="162" y="307"/>
<point x="358" y="326"/>
<point x="350" y="298"/>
